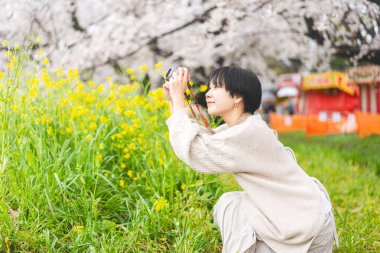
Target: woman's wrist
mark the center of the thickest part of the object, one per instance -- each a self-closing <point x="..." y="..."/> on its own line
<point x="178" y="103"/>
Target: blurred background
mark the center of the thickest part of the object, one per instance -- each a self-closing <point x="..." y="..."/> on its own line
<point x="102" y="38"/>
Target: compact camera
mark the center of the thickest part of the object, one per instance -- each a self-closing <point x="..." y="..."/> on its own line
<point x="169" y="73"/>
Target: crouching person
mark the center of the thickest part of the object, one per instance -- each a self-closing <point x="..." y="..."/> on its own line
<point x="281" y="208"/>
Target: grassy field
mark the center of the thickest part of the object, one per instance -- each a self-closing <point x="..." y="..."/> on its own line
<point x="87" y="167"/>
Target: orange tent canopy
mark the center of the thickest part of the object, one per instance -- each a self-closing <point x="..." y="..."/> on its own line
<point x="329" y="80"/>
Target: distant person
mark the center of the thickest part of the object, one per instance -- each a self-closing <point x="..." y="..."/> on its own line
<point x="281" y="208"/>
<point x="291" y="108"/>
<point x="268" y="107"/>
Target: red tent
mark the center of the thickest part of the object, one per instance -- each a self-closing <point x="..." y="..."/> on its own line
<point x="330" y="93"/>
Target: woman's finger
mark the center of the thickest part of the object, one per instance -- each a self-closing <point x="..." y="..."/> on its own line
<point x="175" y="73"/>
<point x="180" y="73"/>
<point x="186" y="74"/>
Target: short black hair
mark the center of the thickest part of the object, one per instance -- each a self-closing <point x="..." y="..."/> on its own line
<point x="241" y="82"/>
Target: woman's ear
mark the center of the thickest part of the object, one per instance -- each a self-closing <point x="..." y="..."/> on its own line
<point x="237" y="99"/>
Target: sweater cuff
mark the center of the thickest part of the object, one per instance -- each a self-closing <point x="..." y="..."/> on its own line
<point x="177" y="116"/>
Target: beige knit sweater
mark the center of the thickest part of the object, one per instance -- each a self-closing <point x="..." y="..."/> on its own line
<point x="282" y="201"/>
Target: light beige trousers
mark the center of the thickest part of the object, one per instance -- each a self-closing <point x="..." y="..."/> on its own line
<point x="238" y="235"/>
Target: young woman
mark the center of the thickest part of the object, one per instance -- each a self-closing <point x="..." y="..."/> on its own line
<point x="281" y="208"/>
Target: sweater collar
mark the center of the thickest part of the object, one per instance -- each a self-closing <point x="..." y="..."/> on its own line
<point x="242" y="118"/>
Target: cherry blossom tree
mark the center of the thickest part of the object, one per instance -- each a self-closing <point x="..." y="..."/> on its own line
<point x="104" y="37"/>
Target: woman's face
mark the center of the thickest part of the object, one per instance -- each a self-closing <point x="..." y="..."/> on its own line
<point x="219" y="101"/>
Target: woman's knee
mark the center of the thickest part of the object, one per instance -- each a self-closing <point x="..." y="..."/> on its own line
<point x="225" y="205"/>
<point x="226" y="199"/>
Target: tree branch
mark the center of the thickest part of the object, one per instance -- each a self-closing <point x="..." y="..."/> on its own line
<point x="201" y="18"/>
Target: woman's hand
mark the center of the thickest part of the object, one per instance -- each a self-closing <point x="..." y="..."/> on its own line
<point x="165" y="87"/>
<point x="178" y="84"/>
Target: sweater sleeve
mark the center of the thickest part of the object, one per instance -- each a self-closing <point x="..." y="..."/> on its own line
<point x="250" y="147"/>
<point x="196" y="146"/>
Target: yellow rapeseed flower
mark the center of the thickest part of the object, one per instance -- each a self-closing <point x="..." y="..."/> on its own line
<point x="158" y="65"/>
<point x="130" y="71"/>
<point x="91" y="83"/>
<point x="129" y="113"/>
<point x="122" y="183"/>
<point x="46" y="61"/>
<point x="59" y="72"/>
<point x="183" y="186"/>
<point x="132" y="77"/>
<point x="45" y="119"/>
<point x="144" y="68"/>
<point x="149" y="107"/>
<point x="130" y="173"/>
<point x="4" y="43"/>
<point x="203" y="88"/>
<point x="99" y="157"/>
<point x="123" y="166"/>
<point x="1" y="74"/>
<point x="188" y="92"/>
<point x="104" y="120"/>
<point x="160" y="204"/>
<point x="79" y="88"/>
<point x="33" y="91"/>
<point x="11" y="64"/>
<point x="125" y="88"/>
<point x="136" y="122"/>
<point x="69" y="130"/>
<point x="92" y="118"/>
<point x="100" y="89"/>
<point x="8" y="54"/>
<point x="78" y="229"/>
<point x="33" y="81"/>
<point x="38" y="39"/>
<point x="93" y="126"/>
<point x="132" y="146"/>
<point x="73" y="73"/>
<point x="135" y="86"/>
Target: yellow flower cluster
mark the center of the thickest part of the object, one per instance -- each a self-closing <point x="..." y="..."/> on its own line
<point x="160" y="204"/>
<point x="116" y="120"/>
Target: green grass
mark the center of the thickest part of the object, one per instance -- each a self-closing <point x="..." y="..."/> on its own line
<point x="349" y="168"/>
